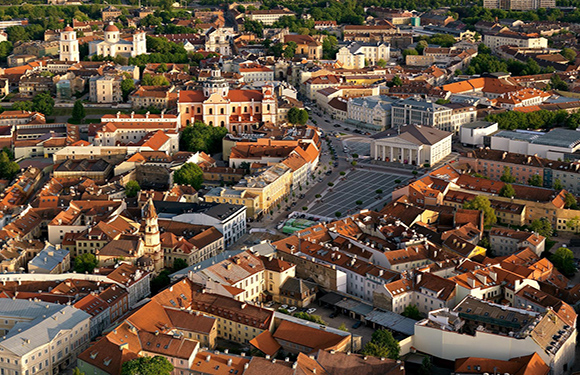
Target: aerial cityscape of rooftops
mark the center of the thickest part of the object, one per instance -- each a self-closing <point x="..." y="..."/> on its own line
<point x="289" y="187"/>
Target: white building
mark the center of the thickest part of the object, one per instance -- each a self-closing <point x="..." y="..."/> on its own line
<point x="229" y="219"/>
<point x="510" y="38"/>
<point x="477" y="328"/>
<point x="473" y="133"/>
<point x="268" y="17"/>
<point x="356" y="54"/>
<point x="40" y="337"/>
<point x="411" y="144"/>
<point x="370" y="112"/>
<point x="506" y="241"/>
<point x="68" y="45"/>
<point x="219" y="40"/>
<point x="113" y="45"/>
<point x="554" y="145"/>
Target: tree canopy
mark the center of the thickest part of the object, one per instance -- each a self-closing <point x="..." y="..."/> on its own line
<point x="563" y="260"/>
<point x="507" y="191"/>
<point x="507" y="176"/>
<point x="132" y="188"/>
<point x="8" y="168"/>
<point x="412" y="312"/>
<point x="189" y="174"/>
<point x="201" y="137"/>
<point x="78" y="112"/>
<point x="383" y="345"/>
<point x="86" y="263"/>
<point x="482" y="204"/>
<point x="543" y="227"/>
<point x="157" y="365"/>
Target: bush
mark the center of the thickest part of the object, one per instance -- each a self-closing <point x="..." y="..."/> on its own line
<point x="359" y="202"/>
<point x="342" y="173"/>
<point x="379" y="191"/>
<point x="331" y="184"/>
<point x="318" y="195"/>
<point x="304" y="208"/>
<point x="338" y="214"/>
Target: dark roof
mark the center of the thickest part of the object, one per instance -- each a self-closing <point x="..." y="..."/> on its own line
<point x="219" y="211"/>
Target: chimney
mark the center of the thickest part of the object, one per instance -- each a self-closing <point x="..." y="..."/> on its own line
<point x="208" y="358"/>
<point x="229" y="362"/>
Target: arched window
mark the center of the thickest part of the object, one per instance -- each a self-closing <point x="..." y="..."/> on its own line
<point x="211" y="111"/>
<point x="222" y="111"/>
<point x="211" y="123"/>
<point x="222" y="124"/>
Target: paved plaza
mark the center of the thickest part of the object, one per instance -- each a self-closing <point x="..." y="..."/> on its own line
<point x="361" y="185"/>
<point x="359" y="146"/>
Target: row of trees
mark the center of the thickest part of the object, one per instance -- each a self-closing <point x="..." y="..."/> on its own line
<point x="541" y="119"/>
<point x="41" y="102"/>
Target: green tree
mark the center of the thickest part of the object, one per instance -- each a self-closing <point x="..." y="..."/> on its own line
<point x="290" y="50"/>
<point x="5" y="50"/>
<point x="23" y="106"/>
<point x="162" y="68"/>
<point x="302" y="116"/>
<point x="412" y="312"/>
<point x="573" y="223"/>
<point x="78" y="112"/>
<point x="132" y="188"/>
<point x="154" y="80"/>
<point x="481" y="203"/>
<point x="17" y="33"/>
<point x="507" y="191"/>
<point x="127" y="87"/>
<point x="201" y="137"/>
<point x="443" y="40"/>
<point x="426" y="366"/>
<point x="421" y="45"/>
<point x="542" y="226"/>
<point x="160" y="281"/>
<point x="381" y="63"/>
<point x="157" y="365"/>
<point x="8" y="168"/>
<point x="569" y="54"/>
<point x="557" y="83"/>
<point x="329" y="47"/>
<point x="311" y="318"/>
<point x="410" y="52"/>
<point x="255" y="27"/>
<point x="77" y="371"/>
<point x="86" y="263"/>
<point x="293" y="115"/>
<point x="43" y="103"/>
<point x="179" y="264"/>
<point x="396" y="81"/>
<point x="535" y="180"/>
<point x="383" y="345"/>
<point x="343" y="327"/>
<point x="570" y="201"/>
<point x="563" y="260"/>
<point x="507" y="176"/>
<point x="189" y="174"/>
<point x="558" y="185"/>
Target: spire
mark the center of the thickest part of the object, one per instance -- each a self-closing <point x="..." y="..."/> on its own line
<point x="149" y="211"/>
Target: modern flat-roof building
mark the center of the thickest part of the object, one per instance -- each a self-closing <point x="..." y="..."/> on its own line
<point x="554" y="144"/>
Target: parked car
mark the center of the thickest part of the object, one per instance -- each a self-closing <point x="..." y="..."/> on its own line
<point x="336" y="125"/>
<point x="291" y="309"/>
<point x="270" y="304"/>
<point x="284" y="307"/>
<point x="310" y="311"/>
<point x="333" y="315"/>
<point x="357" y="324"/>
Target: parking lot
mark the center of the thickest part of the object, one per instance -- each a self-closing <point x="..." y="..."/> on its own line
<point x="358" y="185"/>
<point x="337" y="321"/>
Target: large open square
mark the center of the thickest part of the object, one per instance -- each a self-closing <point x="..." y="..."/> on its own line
<point x="360" y="185"/>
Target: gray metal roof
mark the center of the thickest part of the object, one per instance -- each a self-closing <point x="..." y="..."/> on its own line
<point x="355" y="306"/>
<point x="49" y="258"/>
<point x="518" y="135"/>
<point x="559" y="137"/>
<point x="43" y="328"/>
<point x="392" y="321"/>
<point x="478" y="124"/>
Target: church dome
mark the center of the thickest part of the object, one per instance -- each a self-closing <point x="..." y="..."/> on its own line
<point x="111" y="28"/>
<point x="68" y="28"/>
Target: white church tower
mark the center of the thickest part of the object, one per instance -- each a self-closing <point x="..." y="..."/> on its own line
<point x="69" y="45"/>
